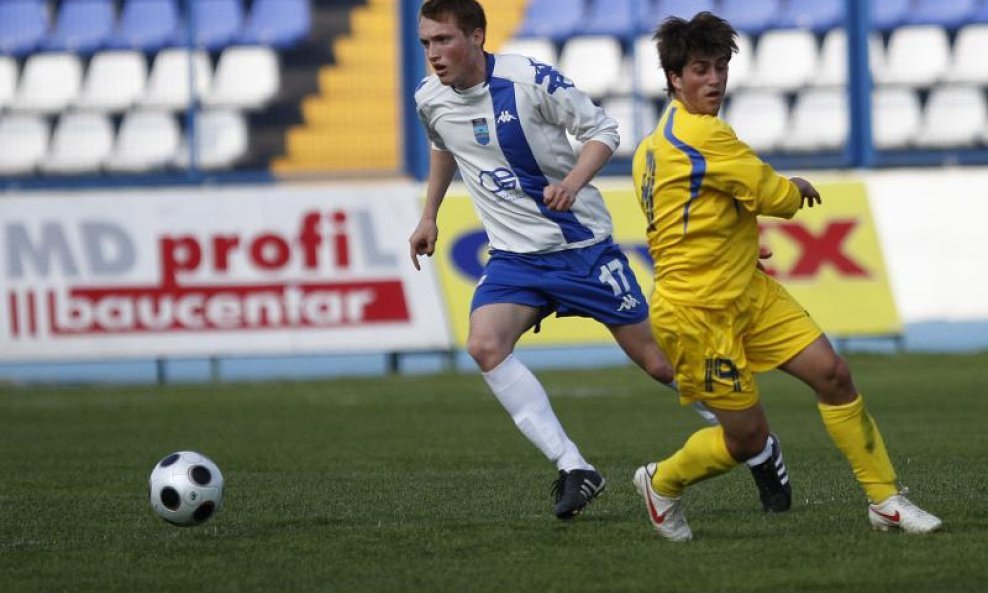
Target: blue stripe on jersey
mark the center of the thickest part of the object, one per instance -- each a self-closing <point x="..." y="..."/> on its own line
<point x="696" y="159"/>
<point x="518" y="153"/>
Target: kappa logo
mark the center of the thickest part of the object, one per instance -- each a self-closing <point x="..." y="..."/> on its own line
<point x="505" y="117"/>
<point x="628" y="302"/>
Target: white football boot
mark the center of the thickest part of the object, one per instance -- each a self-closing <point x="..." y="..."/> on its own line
<point x="897" y="512"/>
<point x="666" y="514"/>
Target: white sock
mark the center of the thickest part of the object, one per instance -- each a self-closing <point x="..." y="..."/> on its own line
<point x="705" y="413"/>
<point x="526" y="402"/>
<point x="763" y="456"/>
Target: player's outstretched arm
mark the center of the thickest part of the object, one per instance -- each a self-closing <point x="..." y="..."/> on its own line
<point x="442" y="165"/>
<point x="810" y="195"/>
<point x="561" y="196"/>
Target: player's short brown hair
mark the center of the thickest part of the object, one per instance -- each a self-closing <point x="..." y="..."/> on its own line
<point x="468" y="14"/>
<point x="678" y="41"/>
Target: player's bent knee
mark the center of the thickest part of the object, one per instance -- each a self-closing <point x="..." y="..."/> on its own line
<point x="487" y="352"/>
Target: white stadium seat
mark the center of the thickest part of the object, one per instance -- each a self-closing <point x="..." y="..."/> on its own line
<point x="245" y="77"/>
<point x="114" y="81"/>
<point x="80" y="143"/>
<point x="168" y="83"/>
<point x="917" y="56"/>
<point x="832" y="69"/>
<point x="970" y="49"/>
<point x="785" y="59"/>
<point x="147" y="140"/>
<point x="819" y="121"/>
<point x="592" y="62"/>
<point x="636" y="119"/>
<point x="23" y="143"/>
<point x="954" y="116"/>
<point x="741" y="64"/>
<point x="221" y="139"/>
<point x="49" y="83"/>
<point x="8" y="80"/>
<point x="759" y="118"/>
<point x="540" y="49"/>
<point x="651" y="78"/>
<point x="895" y="116"/>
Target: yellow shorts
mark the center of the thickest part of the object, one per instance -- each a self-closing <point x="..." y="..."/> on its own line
<point x="717" y="351"/>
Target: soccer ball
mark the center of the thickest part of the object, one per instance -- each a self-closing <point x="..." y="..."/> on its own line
<point x="186" y="488"/>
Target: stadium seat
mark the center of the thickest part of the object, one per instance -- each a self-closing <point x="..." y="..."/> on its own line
<point x="785" y="59"/>
<point x="593" y="63"/>
<point x="49" y="82"/>
<point x="147" y="140"/>
<point x="819" y="121"/>
<point x="968" y="63"/>
<point x="895" y="117"/>
<point x="651" y="78"/>
<point x="832" y="69"/>
<point x="950" y="14"/>
<point x="954" y="117"/>
<point x="146" y="25"/>
<point x="246" y="77"/>
<point x="750" y="16"/>
<point x="917" y="56"/>
<point x="221" y="139"/>
<point x="168" y="82"/>
<point x="82" y="26"/>
<point x="23" y="143"/>
<point x="556" y="19"/>
<point x="818" y="16"/>
<point x="741" y="64"/>
<point x="23" y="26"/>
<point x="114" y="81"/>
<point x="759" y="118"/>
<point x="80" y="143"/>
<point x="889" y="14"/>
<point x="279" y="23"/>
<point x="685" y="9"/>
<point x="636" y="119"/>
<point x="217" y="24"/>
<point x="8" y="80"/>
<point x="618" y="18"/>
<point x="538" y="48"/>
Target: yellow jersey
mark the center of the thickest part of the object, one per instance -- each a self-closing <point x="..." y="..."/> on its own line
<point x="701" y="190"/>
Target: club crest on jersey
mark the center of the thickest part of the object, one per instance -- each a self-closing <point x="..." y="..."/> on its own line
<point x="480" y="131"/>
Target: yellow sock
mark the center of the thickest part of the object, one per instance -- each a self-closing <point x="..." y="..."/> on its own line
<point x="855" y="433"/>
<point x="704" y="455"/>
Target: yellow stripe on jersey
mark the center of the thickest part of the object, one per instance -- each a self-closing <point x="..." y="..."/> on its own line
<point x="701" y="190"/>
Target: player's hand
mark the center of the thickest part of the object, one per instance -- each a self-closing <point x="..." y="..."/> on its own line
<point x="423" y="240"/>
<point x="810" y="195"/>
<point x="558" y="197"/>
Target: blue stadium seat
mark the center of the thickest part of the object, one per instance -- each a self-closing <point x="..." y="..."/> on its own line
<point x="949" y="14"/>
<point x="146" y="25"/>
<point x="682" y="8"/>
<point x="617" y="18"/>
<point x="23" y="25"/>
<point x="750" y="16"/>
<point x="82" y="26"/>
<point x="555" y="19"/>
<point x="889" y="14"/>
<point x="818" y="16"/>
<point x="279" y="23"/>
<point x="217" y="24"/>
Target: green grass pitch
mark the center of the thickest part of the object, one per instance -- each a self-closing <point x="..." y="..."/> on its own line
<point x="423" y="484"/>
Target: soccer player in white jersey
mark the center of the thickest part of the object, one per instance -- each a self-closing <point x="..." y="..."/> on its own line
<point x="502" y="120"/>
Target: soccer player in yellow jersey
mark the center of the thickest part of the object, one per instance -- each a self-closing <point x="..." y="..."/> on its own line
<point x="720" y="318"/>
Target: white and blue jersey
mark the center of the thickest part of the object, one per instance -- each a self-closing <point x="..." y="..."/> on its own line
<point x="508" y="136"/>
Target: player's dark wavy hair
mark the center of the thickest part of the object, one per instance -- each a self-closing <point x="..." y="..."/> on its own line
<point x="679" y="40"/>
<point x="468" y="14"/>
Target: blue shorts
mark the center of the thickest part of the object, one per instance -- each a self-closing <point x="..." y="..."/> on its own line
<point x="594" y="281"/>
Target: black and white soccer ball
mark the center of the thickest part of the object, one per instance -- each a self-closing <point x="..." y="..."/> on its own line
<point x="186" y="488"/>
